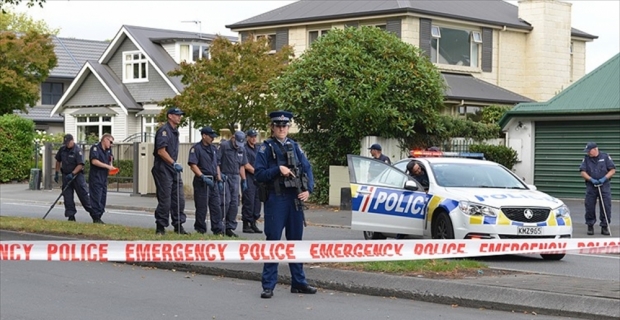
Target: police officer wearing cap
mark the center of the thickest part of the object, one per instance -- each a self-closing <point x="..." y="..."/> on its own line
<point x="100" y="157"/>
<point x="70" y="162"/>
<point x="597" y="168"/>
<point x="250" y="202"/>
<point x="167" y="175"/>
<point x="375" y="152"/>
<point x="203" y="161"/>
<point x="232" y="160"/>
<point x="281" y="212"/>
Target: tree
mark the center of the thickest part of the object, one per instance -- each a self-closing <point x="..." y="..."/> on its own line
<point x="26" y="58"/>
<point x="358" y="82"/>
<point x="233" y="86"/>
<point x="21" y="22"/>
<point x="29" y="3"/>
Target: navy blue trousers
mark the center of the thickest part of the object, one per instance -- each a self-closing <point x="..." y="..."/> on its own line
<point x="98" y="187"/>
<point x="79" y="186"/>
<point x="250" y="204"/>
<point x="604" y="204"/>
<point x="169" y="206"/>
<point x="207" y="198"/>
<point x="230" y="199"/>
<point x="280" y="213"/>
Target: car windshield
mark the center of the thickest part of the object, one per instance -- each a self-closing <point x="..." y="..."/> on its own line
<point x="470" y="175"/>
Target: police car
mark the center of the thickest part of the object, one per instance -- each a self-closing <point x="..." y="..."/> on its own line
<point x="465" y="199"/>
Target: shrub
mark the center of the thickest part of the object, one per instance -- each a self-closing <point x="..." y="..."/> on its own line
<point x="16" y="149"/>
<point x="503" y="155"/>
<point x="125" y="174"/>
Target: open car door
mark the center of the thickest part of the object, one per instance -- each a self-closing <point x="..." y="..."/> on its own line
<point x="384" y="199"/>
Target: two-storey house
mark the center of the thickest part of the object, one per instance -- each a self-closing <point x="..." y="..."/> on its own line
<point x="120" y="90"/>
<point x="71" y="55"/>
<point x="489" y="52"/>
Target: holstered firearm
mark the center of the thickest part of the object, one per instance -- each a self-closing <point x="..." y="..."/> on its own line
<point x="299" y="181"/>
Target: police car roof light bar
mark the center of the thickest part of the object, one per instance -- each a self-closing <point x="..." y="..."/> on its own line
<point x="427" y="154"/>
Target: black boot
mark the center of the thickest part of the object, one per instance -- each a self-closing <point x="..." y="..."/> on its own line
<point x="160" y="230"/>
<point x="255" y="228"/>
<point x="247" y="228"/>
<point x="179" y="229"/>
<point x="605" y="231"/>
<point x="590" y="230"/>
<point x="231" y="233"/>
<point x="71" y="218"/>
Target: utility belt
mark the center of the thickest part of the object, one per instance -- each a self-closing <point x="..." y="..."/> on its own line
<point x="70" y="171"/>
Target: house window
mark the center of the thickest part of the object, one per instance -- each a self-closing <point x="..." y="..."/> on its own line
<point x="315" y="34"/>
<point x="271" y="41"/>
<point x="51" y="92"/>
<point x="150" y="128"/>
<point x="194" y="52"/>
<point x="135" y="67"/>
<point x="90" y="129"/>
<point x="455" y="47"/>
<point x="381" y="26"/>
<point x="464" y="110"/>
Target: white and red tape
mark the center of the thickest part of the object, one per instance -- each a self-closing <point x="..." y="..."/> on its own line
<point x="293" y="251"/>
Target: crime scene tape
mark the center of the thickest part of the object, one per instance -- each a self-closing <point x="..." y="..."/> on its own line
<point x="293" y="251"/>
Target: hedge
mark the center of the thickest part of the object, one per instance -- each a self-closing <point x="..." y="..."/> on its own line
<point x="125" y="174"/>
<point x="503" y="155"/>
<point x="16" y="148"/>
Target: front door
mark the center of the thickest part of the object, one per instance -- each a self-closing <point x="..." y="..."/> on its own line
<point x="380" y="202"/>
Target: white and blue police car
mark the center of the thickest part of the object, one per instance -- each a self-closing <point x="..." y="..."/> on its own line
<point x="465" y="199"/>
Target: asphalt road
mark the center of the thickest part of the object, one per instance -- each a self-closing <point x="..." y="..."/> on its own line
<point x="572" y="265"/>
<point x="76" y="290"/>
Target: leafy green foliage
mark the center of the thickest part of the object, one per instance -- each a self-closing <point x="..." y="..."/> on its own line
<point x="354" y="83"/>
<point x="450" y="127"/>
<point x="492" y="114"/>
<point x="29" y="3"/>
<point x="26" y="58"/>
<point x="16" y="149"/>
<point x="501" y="154"/>
<point x="233" y="87"/>
<point x="125" y="174"/>
<point x="21" y="22"/>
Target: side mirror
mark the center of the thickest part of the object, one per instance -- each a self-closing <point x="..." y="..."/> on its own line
<point x="531" y="187"/>
<point x="411" y="185"/>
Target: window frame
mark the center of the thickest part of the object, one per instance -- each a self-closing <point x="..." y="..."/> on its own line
<point x="475" y="45"/>
<point x="271" y="43"/>
<point x="86" y="121"/>
<point x="190" y="52"/>
<point x="54" y="97"/>
<point x="320" y="33"/>
<point x="142" y="60"/>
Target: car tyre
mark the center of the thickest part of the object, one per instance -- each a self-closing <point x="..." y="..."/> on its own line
<point x="553" y="257"/>
<point x="442" y="227"/>
<point x="369" y="235"/>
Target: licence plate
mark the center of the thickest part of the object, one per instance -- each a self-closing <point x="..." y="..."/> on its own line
<point x="529" y="231"/>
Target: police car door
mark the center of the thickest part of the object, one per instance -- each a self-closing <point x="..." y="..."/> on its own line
<point x="384" y="199"/>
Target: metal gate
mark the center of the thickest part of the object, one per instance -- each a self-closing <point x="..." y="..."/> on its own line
<point x="558" y="152"/>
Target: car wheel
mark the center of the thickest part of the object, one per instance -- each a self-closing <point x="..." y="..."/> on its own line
<point x="369" y="235"/>
<point x="442" y="227"/>
<point x="554" y="257"/>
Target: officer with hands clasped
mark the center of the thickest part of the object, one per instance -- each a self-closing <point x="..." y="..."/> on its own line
<point x="203" y="161"/>
<point x="167" y="175"/>
<point x="100" y="165"/>
<point x="597" y="168"/>
<point x="272" y="169"/>
<point x="70" y="162"/>
<point x="250" y="202"/>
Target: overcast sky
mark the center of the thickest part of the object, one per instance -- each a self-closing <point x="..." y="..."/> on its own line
<point x="101" y="20"/>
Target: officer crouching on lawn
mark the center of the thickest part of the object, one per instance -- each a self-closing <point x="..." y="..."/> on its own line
<point x="273" y="171"/>
<point x="203" y="161"/>
<point x="597" y="168"/>
<point x="72" y="160"/>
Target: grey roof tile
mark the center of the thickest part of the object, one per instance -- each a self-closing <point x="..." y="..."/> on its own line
<point x="494" y="12"/>
<point x="40" y="114"/>
<point x="468" y="88"/>
<point x="116" y="85"/>
<point x="73" y="53"/>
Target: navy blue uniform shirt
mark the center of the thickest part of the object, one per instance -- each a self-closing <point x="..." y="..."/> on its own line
<point x="167" y="137"/>
<point x="69" y="158"/>
<point x="231" y="159"/>
<point x="205" y="157"/>
<point x="267" y="169"/>
<point x="105" y="156"/>
<point x="250" y="154"/>
<point x="385" y="159"/>
<point x="597" y="167"/>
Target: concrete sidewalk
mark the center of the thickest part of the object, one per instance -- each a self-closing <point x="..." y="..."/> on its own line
<point x="521" y="292"/>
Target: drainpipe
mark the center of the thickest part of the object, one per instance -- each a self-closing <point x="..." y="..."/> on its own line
<point x="499" y="55"/>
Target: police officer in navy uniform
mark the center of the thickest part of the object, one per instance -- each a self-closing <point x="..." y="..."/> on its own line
<point x="375" y="152"/>
<point x="167" y="175"/>
<point x="70" y="162"/>
<point x="232" y="161"/>
<point x="100" y="165"/>
<point x="597" y="168"/>
<point x="203" y="161"/>
<point x="250" y="202"/>
<point x="280" y="211"/>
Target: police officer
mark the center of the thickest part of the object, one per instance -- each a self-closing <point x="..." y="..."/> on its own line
<point x="597" y="168"/>
<point x="167" y="175"/>
<point x="100" y="165"/>
<point x="232" y="161"/>
<point x="375" y="152"/>
<point x="281" y="212"/>
<point x="415" y="170"/>
<point x="250" y="202"/>
<point x="204" y="164"/>
<point x="70" y="162"/>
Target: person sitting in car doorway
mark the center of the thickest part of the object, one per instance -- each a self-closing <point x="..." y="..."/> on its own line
<point x="415" y="170"/>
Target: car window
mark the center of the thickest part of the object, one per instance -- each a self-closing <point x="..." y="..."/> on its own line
<point x="374" y="172"/>
<point x="468" y="175"/>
